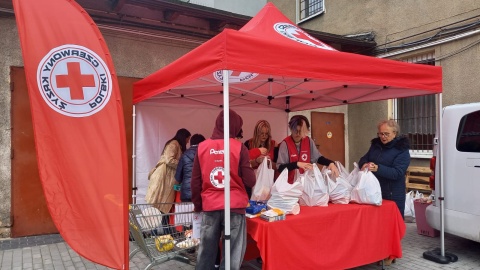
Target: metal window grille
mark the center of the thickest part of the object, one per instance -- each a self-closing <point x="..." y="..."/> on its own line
<point x="416" y="116"/>
<point x="309" y="8"/>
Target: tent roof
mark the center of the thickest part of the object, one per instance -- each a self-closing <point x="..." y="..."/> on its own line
<point x="273" y="62"/>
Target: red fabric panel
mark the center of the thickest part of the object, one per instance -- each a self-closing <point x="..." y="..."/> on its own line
<point x="331" y="77"/>
<point x="333" y="237"/>
<point x="78" y="127"/>
<point x="252" y="251"/>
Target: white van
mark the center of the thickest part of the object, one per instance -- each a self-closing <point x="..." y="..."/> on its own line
<point x="461" y="175"/>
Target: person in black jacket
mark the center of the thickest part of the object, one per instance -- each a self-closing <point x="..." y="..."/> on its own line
<point x="388" y="158"/>
<point x="183" y="175"/>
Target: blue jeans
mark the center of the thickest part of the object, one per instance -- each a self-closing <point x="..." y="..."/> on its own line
<point x="213" y="224"/>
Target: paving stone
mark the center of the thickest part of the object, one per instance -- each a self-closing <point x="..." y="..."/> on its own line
<point x="51" y="252"/>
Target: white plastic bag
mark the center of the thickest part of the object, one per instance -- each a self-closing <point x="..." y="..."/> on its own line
<point x="339" y="189"/>
<point x="315" y="190"/>
<point x="284" y="195"/>
<point x="409" y="209"/>
<point x="150" y="218"/>
<point x="354" y="176"/>
<point x="264" y="174"/>
<point x="342" y="170"/>
<point x="367" y="190"/>
<point x="409" y="206"/>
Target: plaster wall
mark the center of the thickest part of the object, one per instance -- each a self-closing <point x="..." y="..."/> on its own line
<point x="10" y="56"/>
<point x="396" y="23"/>
<point x="133" y="56"/>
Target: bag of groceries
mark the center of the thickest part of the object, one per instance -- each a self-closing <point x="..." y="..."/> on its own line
<point x="264" y="174"/>
<point x="284" y="195"/>
<point x="367" y="190"/>
<point x="315" y="191"/>
<point x="339" y="189"/>
<point x="354" y="176"/>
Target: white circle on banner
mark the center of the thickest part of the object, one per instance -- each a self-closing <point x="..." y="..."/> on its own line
<point x="234" y="76"/>
<point x="295" y="33"/>
<point x="74" y="81"/>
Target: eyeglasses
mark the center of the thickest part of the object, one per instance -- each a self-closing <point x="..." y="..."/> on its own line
<point x="383" y="134"/>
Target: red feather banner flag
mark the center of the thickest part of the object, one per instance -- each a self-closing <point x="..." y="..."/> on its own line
<point x="78" y="126"/>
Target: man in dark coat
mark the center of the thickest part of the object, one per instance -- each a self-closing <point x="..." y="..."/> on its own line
<point x="183" y="175"/>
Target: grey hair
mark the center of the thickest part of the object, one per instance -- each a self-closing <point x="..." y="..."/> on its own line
<point x="390" y="123"/>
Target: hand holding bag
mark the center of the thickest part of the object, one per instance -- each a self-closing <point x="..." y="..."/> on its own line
<point x="339" y="189"/>
<point x="368" y="190"/>
<point x="264" y="174"/>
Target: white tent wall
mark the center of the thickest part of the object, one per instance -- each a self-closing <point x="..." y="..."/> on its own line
<point x="155" y="124"/>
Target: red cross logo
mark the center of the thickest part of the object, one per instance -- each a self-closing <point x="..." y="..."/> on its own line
<point x="302" y="35"/>
<point x="75" y="80"/>
<point x="219" y="177"/>
<point x="234" y="73"/>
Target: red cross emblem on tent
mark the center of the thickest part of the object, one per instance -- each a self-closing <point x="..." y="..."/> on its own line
<point x="235" y="76"/>
<point x="217" y="175"/>
<point x="295" y="33"/>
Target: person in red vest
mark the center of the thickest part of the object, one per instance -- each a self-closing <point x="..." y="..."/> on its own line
<point x="298" y="151"/>
<point x="261" y="144"/>
<point x="208" y="193"/>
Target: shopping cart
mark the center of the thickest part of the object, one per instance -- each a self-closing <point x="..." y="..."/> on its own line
<point x="163" y="236"/>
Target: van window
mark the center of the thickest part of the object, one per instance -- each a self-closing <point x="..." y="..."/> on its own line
<point x="468" y="136"/>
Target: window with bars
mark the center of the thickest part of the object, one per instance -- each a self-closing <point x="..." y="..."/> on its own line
<point x="416" y="116"/>
<point x="307" y="9"/>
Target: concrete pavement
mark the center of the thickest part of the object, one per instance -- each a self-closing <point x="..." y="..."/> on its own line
<point x="51" y="252"/>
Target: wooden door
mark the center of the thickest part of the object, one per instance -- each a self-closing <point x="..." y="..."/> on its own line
<point x="29" y="211"/>
<point x="328" y="132"/>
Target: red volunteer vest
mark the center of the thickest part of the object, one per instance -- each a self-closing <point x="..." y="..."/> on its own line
<point x="295" y="156"/>
<point x="211" y="159"/>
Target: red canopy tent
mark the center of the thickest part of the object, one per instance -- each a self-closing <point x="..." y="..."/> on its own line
<point x="271" y="60"/>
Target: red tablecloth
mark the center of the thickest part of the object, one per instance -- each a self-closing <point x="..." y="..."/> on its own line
<point x="333" y="237"/>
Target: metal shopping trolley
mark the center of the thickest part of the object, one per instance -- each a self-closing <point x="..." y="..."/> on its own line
<point x="163" y="236"/>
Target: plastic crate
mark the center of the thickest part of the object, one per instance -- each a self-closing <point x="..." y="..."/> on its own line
<point x="422" y="226"/>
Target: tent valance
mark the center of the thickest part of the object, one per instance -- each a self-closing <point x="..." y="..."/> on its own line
<point x="274" y="63"/>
